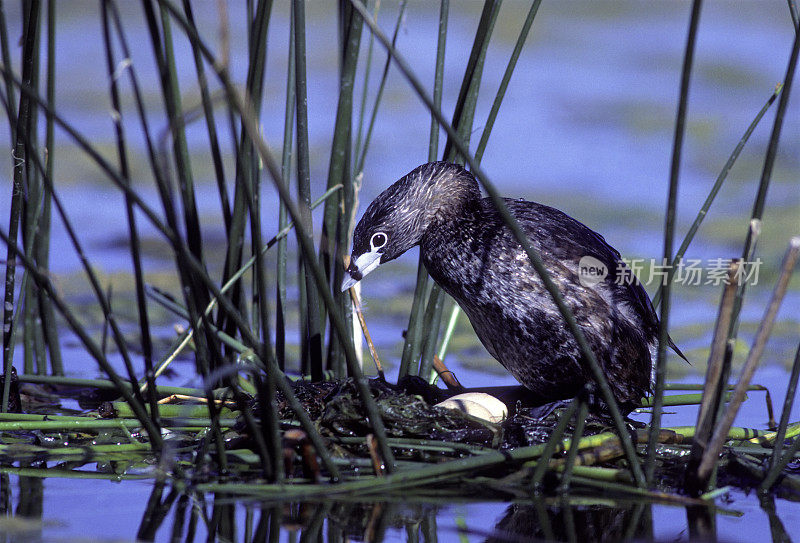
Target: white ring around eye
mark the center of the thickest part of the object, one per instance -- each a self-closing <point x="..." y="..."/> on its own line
<point x="377" y="241"/>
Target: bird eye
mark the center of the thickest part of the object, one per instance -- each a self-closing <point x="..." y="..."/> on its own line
<point x="377" y="241"/>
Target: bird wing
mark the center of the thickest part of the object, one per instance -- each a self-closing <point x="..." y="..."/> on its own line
<point x="568" y="240"/>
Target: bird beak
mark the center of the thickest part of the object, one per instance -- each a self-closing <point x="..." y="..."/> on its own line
<point x="360" y="267"/>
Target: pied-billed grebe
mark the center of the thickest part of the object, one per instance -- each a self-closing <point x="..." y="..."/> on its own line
<point x="476" y="259"/>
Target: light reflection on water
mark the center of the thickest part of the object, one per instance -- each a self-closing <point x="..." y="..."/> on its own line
<point x="116" y="512"/>
<point x="586" y="127"/>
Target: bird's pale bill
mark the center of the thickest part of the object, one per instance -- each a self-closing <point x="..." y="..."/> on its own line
<point x="360" y="267"/>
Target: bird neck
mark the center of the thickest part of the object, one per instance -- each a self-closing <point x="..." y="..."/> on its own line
<point x="451" y="195"/>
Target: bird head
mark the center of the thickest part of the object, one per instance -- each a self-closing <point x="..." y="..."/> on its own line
<point x="389" y="228"/>
<point x="397" y="219"/>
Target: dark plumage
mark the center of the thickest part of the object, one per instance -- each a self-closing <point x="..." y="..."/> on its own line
<point x="476" y="259"/>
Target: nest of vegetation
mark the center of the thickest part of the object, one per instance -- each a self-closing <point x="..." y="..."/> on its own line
<point x="421" y="432"/>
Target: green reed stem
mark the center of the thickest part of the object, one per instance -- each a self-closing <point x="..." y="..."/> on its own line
<point x="776" y="469"/>
<point x="133" y="231"/>
<point x="543" y="464"/>
<point x="32" y="416"/>
<point x="723" y="175"/>
<point x="416" y="339"/>
<point x="572" y="453"/>
<point x="318" y="276"/>
<point x="766" y="173"/>
<point x="765" y="327"/>
<point x="43" y="246"/>
<point x="361" y="150"/>
<point x="362" y="109"/>
<point x="270" y="462"/>
<point x="102" y="384"/>
<point x="788" y="402"/>
<point x="521" y="237"/>
<point x="438" y="78"/>
<point x="602" y="474"/>
<point x="713" y="384"/>
<point x="195" y="294"/>
<point x="306" y="245"/>
<point x="91" y="275"/>
<point x="165" y="57"/>
<point x="793" y="14"/>
<point x="286" y="172"/>
<point x="448" y="333"/>
<point x="211" y="126"/>
<point x="187" y="272"/>
<point x="173" y="411"/>
<point x="470" y="84"/>
<point x="44" y="283"/>
<point x="701" y="386"/>
<point x="463" y="118"/>
<point x="28" y="323"/>
<point x="280" y="286"/>
<point x="617" y="488"/>
<point x="432" y="323"/>
<point x="335" y="240"/>
<point x="512" y="62"/>
<point x="19" y="156"/>
<point x="313" y="325"/>
<point x="669" y="233"/>
<point x="414" y="331"/>
<point x="55" y="473"/>
<point x="420" y="444"/>
<point x="236" y="233"/>
<point x="10" y="94"/>
<point x="33" y="351"/>
<point x="679" y="399"/>
<point x="30" y="214"/>
<point x="250" y="168"/>
<point x="501" y="91"/>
